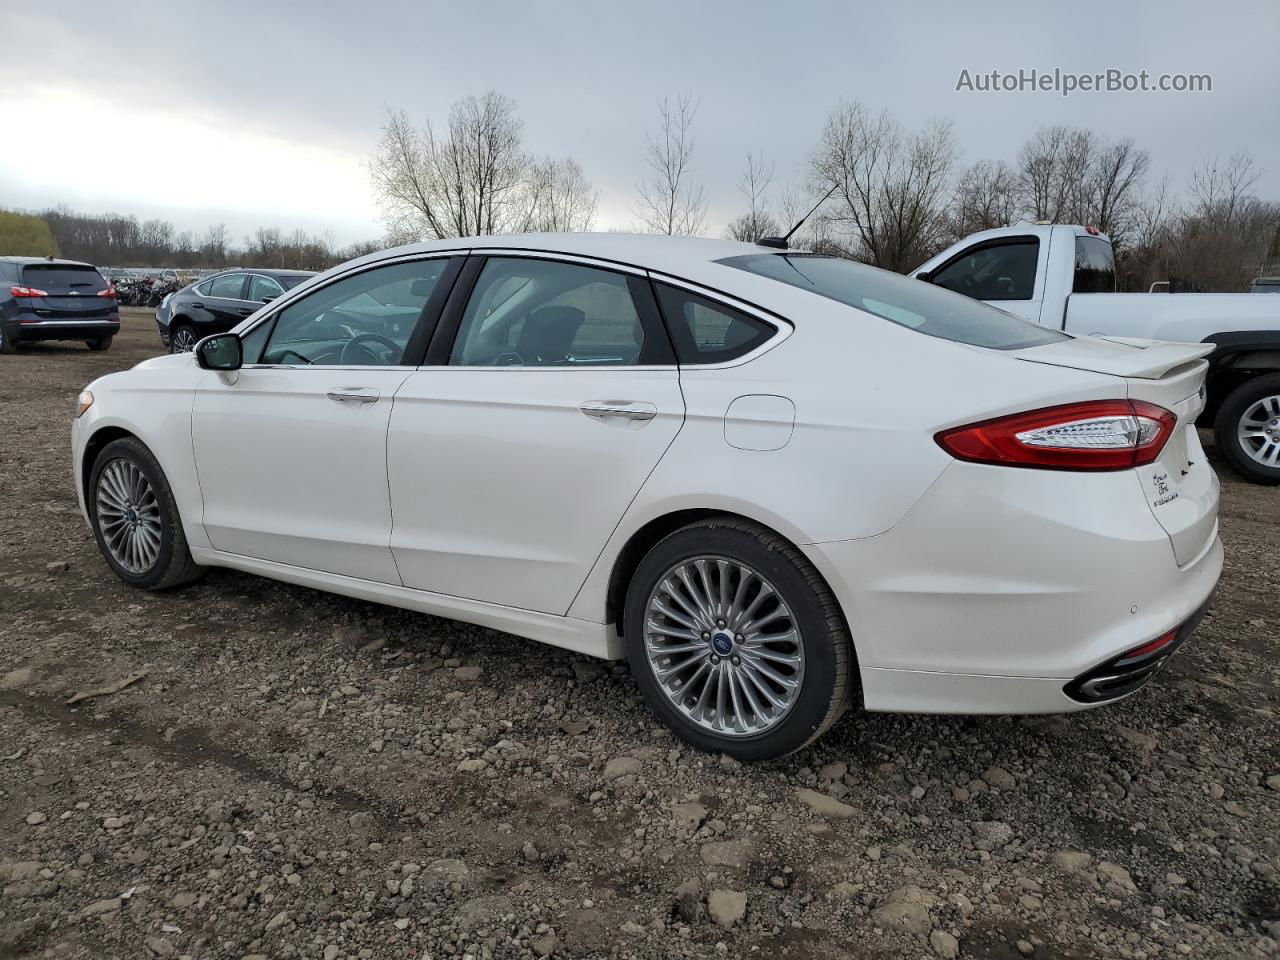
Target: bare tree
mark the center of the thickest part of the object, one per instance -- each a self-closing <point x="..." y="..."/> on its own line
<point x="465" y="182"/>
<point x="1053" y="166"/>
<point x="558" y="197"/>
<point x="889" y="185"/>
<point x="1218" y="187"/>
<point x="986" y="197"/>
<point x="757" y="221"/>
<point x="1111" y="188"/>
<point x="669" y="201"/>
<point x="214" y="244"/>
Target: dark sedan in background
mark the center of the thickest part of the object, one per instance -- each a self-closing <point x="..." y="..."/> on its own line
<point x="217" y="303"/>
<point x="46" y="299"/>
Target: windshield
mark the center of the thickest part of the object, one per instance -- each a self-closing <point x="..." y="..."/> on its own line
<point x="902" y="300"/>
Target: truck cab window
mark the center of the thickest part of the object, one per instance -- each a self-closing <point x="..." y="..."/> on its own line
<point x="1095" y="266"/>
<point x="993" y="271"/>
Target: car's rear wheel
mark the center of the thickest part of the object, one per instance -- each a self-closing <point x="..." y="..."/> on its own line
<point x="99" y="344"/>
<point x="1247" y="429"/>
<point x="135" y="518"/>
<point x="7" y="343"/>
<point x="182" y="338"/>
<point x="736" y="642"/>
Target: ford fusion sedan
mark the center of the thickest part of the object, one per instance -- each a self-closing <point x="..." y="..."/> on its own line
<point x="47" y="299"/>
<point x="779" y="484"/>
<point x="217" y="303"/>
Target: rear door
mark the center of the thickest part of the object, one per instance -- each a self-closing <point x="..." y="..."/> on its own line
<point x="516" y="451"/>
<point x="71" y="293"/>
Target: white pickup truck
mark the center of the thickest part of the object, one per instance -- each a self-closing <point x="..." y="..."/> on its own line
<point x="1064" y="277"/>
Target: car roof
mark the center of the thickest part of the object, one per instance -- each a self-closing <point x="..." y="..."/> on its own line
<point x="693" y="258"/>
<point x="46" y="261"/>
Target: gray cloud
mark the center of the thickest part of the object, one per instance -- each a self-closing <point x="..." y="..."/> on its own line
<point x="586" y="75"/>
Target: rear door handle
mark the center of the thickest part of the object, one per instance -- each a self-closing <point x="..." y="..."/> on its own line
<point x="354" y="395"/>
<point x="631" y="409"/>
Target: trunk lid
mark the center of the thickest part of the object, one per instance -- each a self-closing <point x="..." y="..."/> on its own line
<point x="1180" y="487"/>
<point x="72" y="292"/>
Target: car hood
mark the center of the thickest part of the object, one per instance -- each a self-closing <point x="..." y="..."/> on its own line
<point x="1118" y="356"/>
<point x="167" y="360"/>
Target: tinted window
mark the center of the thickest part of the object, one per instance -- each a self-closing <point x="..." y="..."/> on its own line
<point x="291" y="280"/>
<point x="997" y="271"/>
<point x="706" y="331"/>
<point x="902" y="300"/>
<point x="260" y="288"/>
<point x="530" y="312"/>
<point x="203" y="288"/>
<point x="229" y="287"/>
<point x="1095" y="266"/>
<point x="363" y="320"/>
<point x="53" y="277"/>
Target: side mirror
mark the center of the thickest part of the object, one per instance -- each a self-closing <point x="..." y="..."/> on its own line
<point x="269" y="297"/>
<point x="220" y="352"/>
<point x="925" y="275"/>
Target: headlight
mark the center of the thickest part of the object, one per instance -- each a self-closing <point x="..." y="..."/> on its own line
<point x="83" y="403"/>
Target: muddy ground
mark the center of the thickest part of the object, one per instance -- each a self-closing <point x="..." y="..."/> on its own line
<point x="300" y="775"/>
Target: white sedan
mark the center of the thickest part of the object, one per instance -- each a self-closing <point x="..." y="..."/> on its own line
<point x="778" y="483"/>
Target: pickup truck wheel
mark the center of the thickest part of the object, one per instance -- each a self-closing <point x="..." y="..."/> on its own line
<point x="1248" y="429"/>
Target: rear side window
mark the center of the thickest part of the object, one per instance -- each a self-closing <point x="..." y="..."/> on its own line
<point x="54" y="277"/>
<point x="542" y="313"/>
<point x="705" y="331"/>
<point x="228" y="287"/>
<point x="1095" y="266"/>
<point x="908" y="302"/>
<point x="260" y="288"/>
<point x="993" y="271"/>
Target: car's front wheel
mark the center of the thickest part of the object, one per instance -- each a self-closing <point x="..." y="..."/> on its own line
<point x="736" y="641"/>
<point x="135" y="518"/>
<point x="1247" y="429"/>
<point x="182" y="339"/>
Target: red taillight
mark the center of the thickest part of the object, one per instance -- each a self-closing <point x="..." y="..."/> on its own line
<point x="109" y="292"/>
<point x="1096" y="435"/>
<point x="26" y="292"/>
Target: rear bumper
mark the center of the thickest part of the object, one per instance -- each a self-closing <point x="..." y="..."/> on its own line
<point x="20" y="332"/>
<point x="1001" y="587"/>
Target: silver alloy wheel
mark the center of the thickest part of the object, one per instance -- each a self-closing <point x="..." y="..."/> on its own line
<point x="724" y="646"/>
<point x="183" y="340"/>
<point x="1259" y="431"/>
<point x="129" y="516"/>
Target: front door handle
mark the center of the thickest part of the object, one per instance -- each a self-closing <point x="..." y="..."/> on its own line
<point x="631" y="409"/>
<point x="244" y="311"/>
<point x="354" y="395"/>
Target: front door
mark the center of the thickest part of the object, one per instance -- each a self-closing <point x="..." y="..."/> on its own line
<point x="513" y="459"/>
<point x="291" y="450"/>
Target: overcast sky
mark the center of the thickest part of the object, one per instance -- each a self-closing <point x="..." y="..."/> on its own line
<point x="254" y="113"/>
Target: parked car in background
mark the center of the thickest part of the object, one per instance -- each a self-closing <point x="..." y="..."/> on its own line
<point x="46" y="299"/>
<point x="1064" y="278"/>
<point x="217" y="303"/>
<point x="1265" y="285"/>
<point x="781" y="484"/>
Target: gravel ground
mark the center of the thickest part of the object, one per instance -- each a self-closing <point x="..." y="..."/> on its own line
<point x="293" y="774"/>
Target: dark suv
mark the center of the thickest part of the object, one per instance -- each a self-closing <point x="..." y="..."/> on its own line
<point x="216" y="304"/>
<point x="48" y="299"/>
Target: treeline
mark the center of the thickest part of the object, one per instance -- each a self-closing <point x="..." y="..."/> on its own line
<point x="117" y="240"/>
<point x="895" y="196"/>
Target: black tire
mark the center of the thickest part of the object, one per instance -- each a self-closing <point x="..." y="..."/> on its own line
<point x="99" y="344"/>
<point x="175" y="332"/>
<point x="173" y="564"/>
<point x="7" y="344"/>
<point x="1226" y="428"/>
<point x="828" y="685"/>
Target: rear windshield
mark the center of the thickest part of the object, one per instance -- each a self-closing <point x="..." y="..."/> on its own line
<point x="289" y="281"/>
<point x="902" y="300"/>
<point x="1095" y="266"/>
<point x="54" y="277"/>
